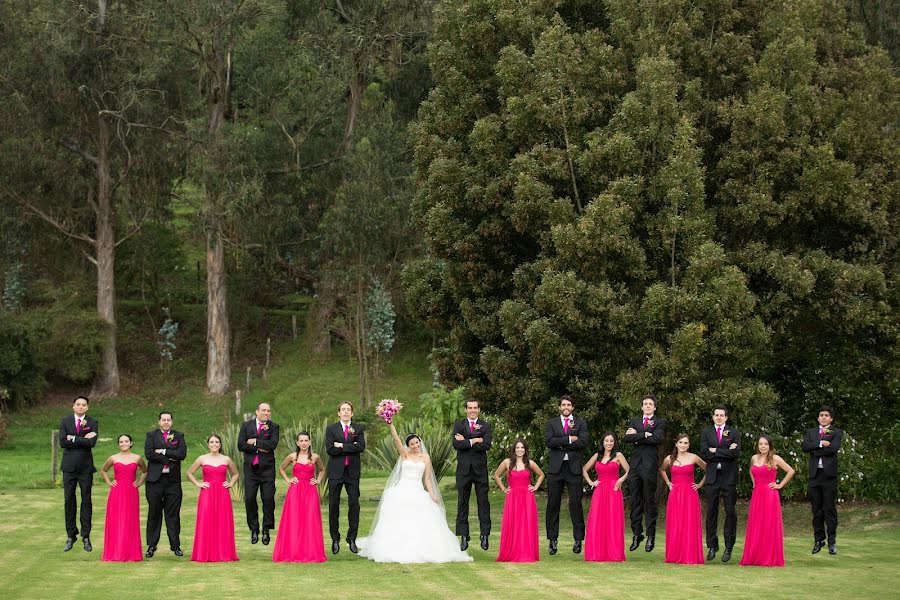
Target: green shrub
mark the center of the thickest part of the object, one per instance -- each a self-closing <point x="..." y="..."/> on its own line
<point x="441" y="405"/>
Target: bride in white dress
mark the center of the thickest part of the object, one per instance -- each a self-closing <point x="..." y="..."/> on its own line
<point x="410" y="524"/>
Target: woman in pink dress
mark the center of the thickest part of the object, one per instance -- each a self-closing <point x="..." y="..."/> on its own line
<point x="214" y="533"/>
<point x="122" y="532"/>
<point x="300" y="530"/>
<point x="764" y="540"/>
<point x="605" y="534"/>
<point x="684" y="531"/>
<point x="519" y="541"/>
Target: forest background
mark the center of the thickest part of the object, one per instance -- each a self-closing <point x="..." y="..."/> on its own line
<point x="533" y="197"/>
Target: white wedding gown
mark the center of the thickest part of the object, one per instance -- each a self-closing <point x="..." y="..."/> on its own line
<point x="410" y="527"/>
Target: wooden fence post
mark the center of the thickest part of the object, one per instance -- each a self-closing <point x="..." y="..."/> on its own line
<point x="54" y="454"/>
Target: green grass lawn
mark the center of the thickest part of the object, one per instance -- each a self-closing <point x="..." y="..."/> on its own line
<point x="33" y="565"/>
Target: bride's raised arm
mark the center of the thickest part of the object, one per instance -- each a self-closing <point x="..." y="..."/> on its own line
<point x="398" y="442"/>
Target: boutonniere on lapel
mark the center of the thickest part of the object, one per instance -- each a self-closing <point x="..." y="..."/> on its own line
<point x="265" y="427"/>
<point x="725" y="433"/>
<point x="170" y="437"/>
<point x="650" y="423"/>
<point x="351" y="431"/>
<point x="827" y="431"/>
<point x="477" y="427"/>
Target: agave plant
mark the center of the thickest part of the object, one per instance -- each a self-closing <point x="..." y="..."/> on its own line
<point x="229" y="435"/>
<point x="438" y="439"/>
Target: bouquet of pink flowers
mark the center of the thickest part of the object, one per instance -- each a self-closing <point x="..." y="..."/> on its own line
<point x="388" y="409"/>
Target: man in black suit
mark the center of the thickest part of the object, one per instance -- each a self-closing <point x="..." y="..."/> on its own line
<point x="344" y="442"/>
<point x="258" y="439"/>
<point x="823" y="443"/>
<point x="164" y="449"/>
<point x="566" y="437"/>
<point x="720" y="446"/>
<point x="77" y="436"/>
<point x="472" y="440"/>
<point x="646" y="433"/>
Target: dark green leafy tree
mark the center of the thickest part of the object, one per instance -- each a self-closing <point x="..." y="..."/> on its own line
<point x="676" y="197"/>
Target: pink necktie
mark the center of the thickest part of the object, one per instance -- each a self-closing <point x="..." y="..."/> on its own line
<point x="346" y="459"/>
<point x="471" y="427"/>
<point x="719" y="434"/>
<point x="646" y="420"/>
<point x="566" y="426"/>
<point x="821" y="432"/>
<point x="77" y="425"/>
<point x="258" y="429"/>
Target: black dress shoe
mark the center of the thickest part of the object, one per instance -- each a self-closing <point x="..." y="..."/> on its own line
<point x="151" y="550"/>
<point x="484" y="542"/>
<point x="254" y="537"/>
<point x="576" y="547"/>
<point x="832" y="549"/>
<point x="552" y="549"/>
<point x="635" y="542"/>
<point x="463" y="542"/>
<point x="711" y="554"/>
<point x="69" y="543"/>
<point x="87" y="545"/>
<point x="265" y="537"/>
<point x="651" y="542"/>
<point x="352" y="545"/>
<point x="726" y="556"/>
<point x="818" y="546"/>
<point x="178" y="552"/>
<point x="335" y="547"/>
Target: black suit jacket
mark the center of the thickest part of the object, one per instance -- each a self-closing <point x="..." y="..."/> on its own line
<point x="176" y="451"/>
<point x="77" y="455"/>
<point x="723" y="455"/>
<point x="266" y="439"/>
<point x="828" y="455"/>
<point x="645" y="456"/>
<point x="558" y="442"/>
<point x="471" y="456"/>
<point x="354" y="445"/>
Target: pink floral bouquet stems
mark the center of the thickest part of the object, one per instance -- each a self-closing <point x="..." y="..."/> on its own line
<point x="387" y="409"/>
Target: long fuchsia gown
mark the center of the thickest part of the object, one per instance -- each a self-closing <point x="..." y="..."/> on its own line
<point x="300" y="529"/>
<point x="519" y="538"/>
<point x="684" y="532"/>
<point x="214" y="534"/>
<point x="605" y="535"/>
<point x="764" y="540"/>
<point x="122" y="529"/>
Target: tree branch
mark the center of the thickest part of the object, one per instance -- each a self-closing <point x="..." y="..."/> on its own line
<point x="79" y="151"/>
<point x="49" y="219"/>
<point x="137" y="227"/>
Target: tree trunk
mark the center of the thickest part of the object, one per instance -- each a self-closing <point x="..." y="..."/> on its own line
<point x="218" y="330"/>
<point x="357" y="85"/>
<point x="107" y="380"/>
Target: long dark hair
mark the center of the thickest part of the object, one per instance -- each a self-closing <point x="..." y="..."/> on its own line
<point x="674" y="454"/>
<point x="512" y="454"/>
<point x="602" y="451"/>
<point x="308" y="450"/>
